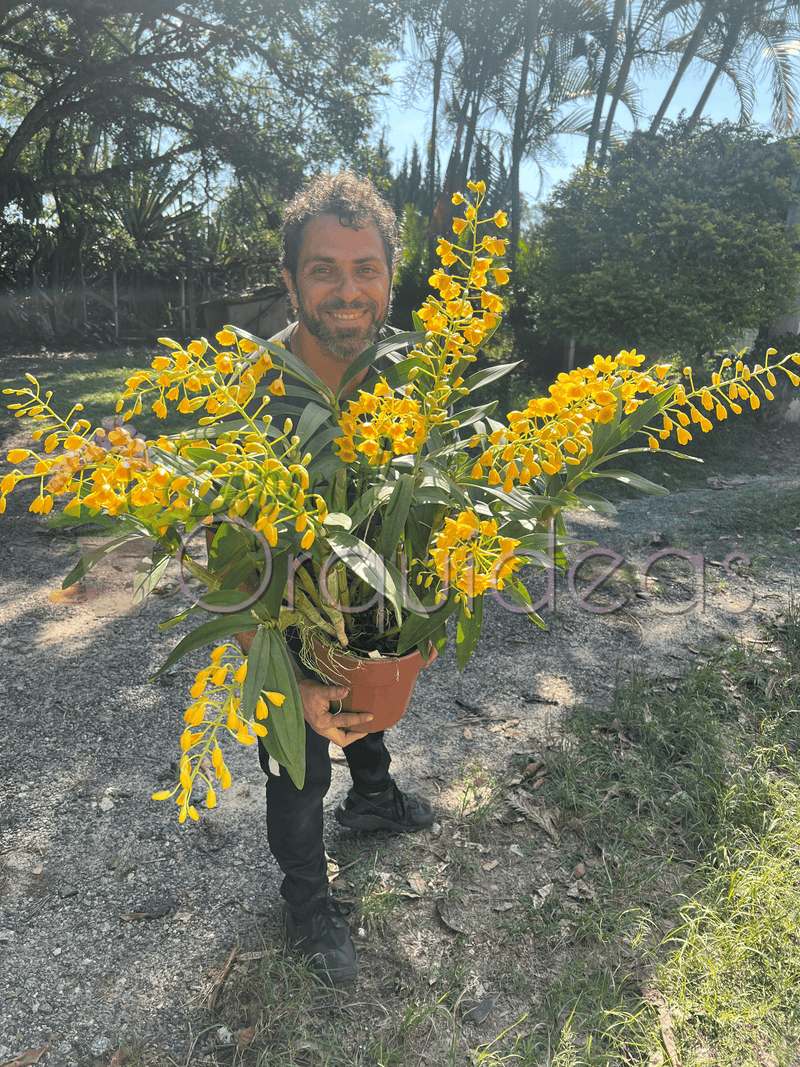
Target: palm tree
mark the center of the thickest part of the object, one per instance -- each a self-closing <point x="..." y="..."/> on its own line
<point x="433" y="37"/>
<point x="751" y="30"/>
<point x="646" y="34"/>
<point x="694" y="42"/>
<point x="742" y="38"/>
<point x="610" y="34"/>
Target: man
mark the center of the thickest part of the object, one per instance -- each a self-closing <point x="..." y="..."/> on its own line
<point x="339" y="247"/>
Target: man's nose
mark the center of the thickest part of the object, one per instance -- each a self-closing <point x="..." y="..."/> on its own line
<point x="347" y="288"/>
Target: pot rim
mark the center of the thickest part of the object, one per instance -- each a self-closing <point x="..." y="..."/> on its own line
<point x="385" y="657"/>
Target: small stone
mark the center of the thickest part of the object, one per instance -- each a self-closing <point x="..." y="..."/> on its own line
<point x="156" y="908"/>
<point x="100" y="1045"/>
<point x="68" y="891"/>
<point x="106" y="804"/>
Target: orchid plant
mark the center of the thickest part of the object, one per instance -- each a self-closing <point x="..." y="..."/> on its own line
<point x="362" y="518"/>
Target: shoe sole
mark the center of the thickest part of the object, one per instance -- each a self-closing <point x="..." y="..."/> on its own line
<point x="375" y="822"/>
<point x="343" y="974"/>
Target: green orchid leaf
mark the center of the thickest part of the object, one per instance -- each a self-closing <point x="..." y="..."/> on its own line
<point x="149" y="573"/>
<point x="421" y="628"/>
<point x="168" y="624"/>
<point x="213" y="630"/>
<point x="286" y="728"/>
<point x="418" y="529"/>
<point x="649" y="451"/>
<point x="61" y="520"/>
<point x="534" y="557"/>
<point x="520" y="595"/>
<point x="321" y="441"/>
<point x="425" y="494"/>
<point x="269" y="602"/>
<point x="282" y="357"/>
<point x="314" y="416"/>
<point x="402" y="372"/>
<point x="609" y="436"/>
<point x="596" y="503"/>
<point x="490" y="374"/>
<point x="469" y="630"/>
<point x="339" y="519"/>
<point x="92" y="558"/>
<point x="326" y="466"/>
<point x="230" y="544"/>
<point x="370" y="501"/>
<point x="394" y="518"/>
<point x="256" y="677"/>
<point x="439" y="479"/>
<point x="216" y="600"/>
<point x="378" y="573"/>
<point x="375" y="352"/>
<point x="470" y="416"/>
<point x="171" y="459"/>
<point x="202" y="454"/>
<point x="635" y="481"/>
<point x="281" y="407"/>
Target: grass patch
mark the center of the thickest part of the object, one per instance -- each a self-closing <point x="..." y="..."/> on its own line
<point x="711" y="796"/>
<point x="675" y="938"/>
<point x="95" y="379"/>
<point x="667" y="929"/>
<point x="729" y="447"/>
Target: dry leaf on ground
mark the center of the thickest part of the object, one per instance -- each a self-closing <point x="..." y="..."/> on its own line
<point x="30" y="1056"/>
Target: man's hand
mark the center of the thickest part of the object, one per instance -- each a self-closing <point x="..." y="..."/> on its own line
<point x="317" y="699"/>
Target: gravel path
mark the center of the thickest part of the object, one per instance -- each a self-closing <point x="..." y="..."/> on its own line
<point x="114" y="920"/>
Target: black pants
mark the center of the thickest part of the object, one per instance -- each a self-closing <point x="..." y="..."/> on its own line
<point x="294" y="816"/>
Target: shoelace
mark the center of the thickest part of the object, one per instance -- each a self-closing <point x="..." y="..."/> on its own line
<point x="327" y="908"/>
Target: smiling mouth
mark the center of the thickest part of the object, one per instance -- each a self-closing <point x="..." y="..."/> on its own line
<point x="347" y="316"/>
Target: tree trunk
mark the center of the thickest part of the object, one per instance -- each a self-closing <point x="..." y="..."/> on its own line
<point x="691" y="50"/>
<point x="518" y="142"/>
<point x="725" y="54"/>
<point x="619" y="89"/>
<point x="437" y="88"/>
<point x="605" y="75"/>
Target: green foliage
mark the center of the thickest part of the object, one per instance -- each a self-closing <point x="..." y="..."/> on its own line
<point x="115" y="123"/>
<point x="678" y="245"/>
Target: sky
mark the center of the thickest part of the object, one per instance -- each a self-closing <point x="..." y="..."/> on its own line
<point x="404" y="125"/>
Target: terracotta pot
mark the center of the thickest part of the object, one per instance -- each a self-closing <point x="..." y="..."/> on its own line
<point x="383" y="687"/>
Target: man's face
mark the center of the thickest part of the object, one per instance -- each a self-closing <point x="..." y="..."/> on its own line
<point x="343" y="285"/>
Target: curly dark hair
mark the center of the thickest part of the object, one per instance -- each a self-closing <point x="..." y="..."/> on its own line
<point x="353" y="199"/>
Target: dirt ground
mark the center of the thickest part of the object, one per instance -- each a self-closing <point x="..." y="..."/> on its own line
<point x="115" y="921"/>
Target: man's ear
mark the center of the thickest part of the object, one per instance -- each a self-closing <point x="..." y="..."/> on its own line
<point x="287" y="277"/>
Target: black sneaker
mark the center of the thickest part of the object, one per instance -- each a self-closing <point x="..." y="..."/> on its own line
<point x="318" y="932"/>
<point x="390" y="810"/>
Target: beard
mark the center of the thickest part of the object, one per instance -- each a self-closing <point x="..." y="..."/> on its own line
<point x="344" y="342"/>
